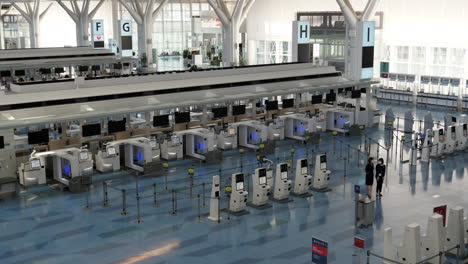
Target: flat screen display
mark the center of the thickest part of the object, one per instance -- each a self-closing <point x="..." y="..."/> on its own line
<point x="2" y="142"/>
<point x="240" y="182"/>
<point x="182" y="117"/>
<point x="111" y="151"/>
<point x="59" y="70"/>
<point x="330" y="97"/>
<point x="20" y="72"/>
<point x="35" y="164"/>
<point x="232" y="131"/>
<point x="84" y="155"/>
<point x="45" y="71"/>
<point x="83" y="68"/>
<point x="367" y="57"/>
<point x="116" y="126"/>
<point x="441" y="132"/>
<point x="454" y="119"/>
<point x="175" y="140"/>
<point x="96" y="67"/>
<point x="323" y="162"/>
<point x="99" y="44"/>
<point x="91" y="130"/>
<point x="288" y="103"/>
<point x="262" y="180"/>
<point x="238" y="110"/>
<point x="39" y="137"/>
<point x="271" y="105"/>
<point x="117" y="66"/>
<point x="161" y="121"/>
<point x="262" y="173"/>
<point x="219" y="112"/>
<point x="66" y="170"/>
<point x="5" y="73"/>
<point x="284" y="171"/>
<point x="127" y="43"/>
<point x="317" y="99"/>
<point x="356" y="94"/>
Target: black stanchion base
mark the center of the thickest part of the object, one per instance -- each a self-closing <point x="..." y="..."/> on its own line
<point x="303" y="195"/>
<point x="323" y="190"/>
<point x="259" y="207"/>
<point x="243" y="212"/>
<point x="124" y="213"/>
<point x="282" y="201"/>
<point x="139" y="221"/>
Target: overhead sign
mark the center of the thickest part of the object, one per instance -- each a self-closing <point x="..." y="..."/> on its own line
<point x="126" y="27"/>
<point x="319" y="251"/>
<point x="368" y="36"/>
<point x="303" y="32"/>
<point x="359" y="243"/>
<point x="442" y="210"/>
<point x="97" y="33"/>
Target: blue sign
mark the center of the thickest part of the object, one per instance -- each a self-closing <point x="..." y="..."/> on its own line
<point x="319" y="251"/>
<point x="357" y="189"/>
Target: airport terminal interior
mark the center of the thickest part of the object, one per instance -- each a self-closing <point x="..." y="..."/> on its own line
<point x="233" y="131"/>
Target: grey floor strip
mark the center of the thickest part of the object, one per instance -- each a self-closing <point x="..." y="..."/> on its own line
<point x="163" y="231"/>
<point x="263" y="240"/>
<point x="94" y="250"/>
<point x="54" y="222"/>
<point x="247" y="261"/>
<point x="193" y="241"/>
<point x="13" y="236"/>
<point x="207" y="251"/>
<point x="294" y="253"/>
<point x="39" y="258"/>
<point x="22" y="251"/>
<point x="73" y="232"/>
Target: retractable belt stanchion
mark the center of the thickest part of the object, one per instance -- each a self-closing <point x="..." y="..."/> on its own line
<point x="105" y="202"/>
<point x="155" y="200"/>
<point x="124" y="202"/>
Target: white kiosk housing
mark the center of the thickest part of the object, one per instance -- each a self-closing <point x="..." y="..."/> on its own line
<point x="276" y="129"/>
<point x="461" y="137"/>
<point x="239" y="195"/>
<point x="322" y="174"/>
<point x="282" y="183"/>
<point x="227" y="138"/>
<point x="198" y="142"/>
<point x="33" y="172"/>
<point x="303" y="179"/>
<point x="251" y="134"/>
<point x="172" y="148"/>
<point x="297" y="126"/>
<point x="438" y="142"/>
<point x="261" y="189"/>
<point x="70" y="163"/>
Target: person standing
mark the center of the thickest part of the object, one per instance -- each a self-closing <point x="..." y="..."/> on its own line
<point x="379" y="176"/>
<point x="369" y="176"/>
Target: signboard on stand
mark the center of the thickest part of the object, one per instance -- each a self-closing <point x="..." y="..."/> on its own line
<point x="98" y="33"/>
<point x="319" y="251"/>
<point x="126" y="41"/>
<point x="442" y="210"/>
<point x="301" y="47"/>
<point x="359" y="243"/>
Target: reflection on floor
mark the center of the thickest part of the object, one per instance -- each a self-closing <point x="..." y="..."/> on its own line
<point x="44" y="225"/>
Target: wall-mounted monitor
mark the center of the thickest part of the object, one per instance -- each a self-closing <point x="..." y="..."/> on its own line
<point x="96" y="67"/>
<point x="2" y="142"/>
<point x="91" y="130"/>
<point x="161" y="121"/>
<point x="45" y="71"/>
<point x="39" y="137"/>
<point x="83" y="68"/>
<point x="317" y="99"/>
<point x="219" y="112"/>
<point x="330" y="97"/>
<point x="182" y="117"/>
<point x="356" y="94"/>
<point x="20" y="72"/>
<point x="238" y="110"/>
<point x="271" y="105"/>
<point x="116" y="126"/>
<point x="59" y="70"/>
<point x="288" y="103"/>
<point x="5" y="73"/>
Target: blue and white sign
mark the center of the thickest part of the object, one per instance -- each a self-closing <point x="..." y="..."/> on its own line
<point x="319" y="251"/>
<point x="98" y="26"/>
<point x="368" y="34"/>
<point x="113" y="45"/>
<point x="303" y="32"/>
<point x="126" y="27"/>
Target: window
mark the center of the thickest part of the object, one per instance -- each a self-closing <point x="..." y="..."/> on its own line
<point x="402" y="53"/>
<point x="440" y="55"/>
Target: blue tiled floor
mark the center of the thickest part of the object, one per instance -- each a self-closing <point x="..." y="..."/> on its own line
<point x="43" y="225"/>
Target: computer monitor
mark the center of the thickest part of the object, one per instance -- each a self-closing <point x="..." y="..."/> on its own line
<point x="83" y="68"/>
<point x="35" y="164"/>
<point x="465" y="130"/>
<point x="20" y="72"/>
<point x="454" y="136"/>
<point x="219" y="112"/>
<point x="84" y="155"/>
<point x="5" y="73"/>
<point x="39" y="137"/>
<point x="284" y="171"/>
<point x="91" y="130"/>
<point x="161" y="121"/>
<point x="271" y="105"/>
<point x="182" y="117"/>
<point x="288" y="103"/>
<point x="45" y="71"/>
<point x="111" y="151"/>
<point x="232" y="131"/>
<point x="201" y="145"/>
<point x="96" y="67"/>
<point x="239" y="182"/>
<point x="454" y="119"/>
<point x="317" y="99"/>
<point x="2" y="142"/>
<point x="330" y="97"/>
<point x="59" y="70"/>
<point x="356" y="94"/>
<point x="116" y="126"/>
<point x="175" y="140"/>
<point x="304" y="166"/>
<point x="238" y="110"/>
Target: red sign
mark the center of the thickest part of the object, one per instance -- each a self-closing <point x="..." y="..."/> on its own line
<point x="319" y="251"/>
<point x="359" y="242"/>
<point x="442" y="210"/>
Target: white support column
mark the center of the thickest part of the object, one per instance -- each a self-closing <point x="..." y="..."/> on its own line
<point x="82" y="18"/>
<point x="32" y="15"/>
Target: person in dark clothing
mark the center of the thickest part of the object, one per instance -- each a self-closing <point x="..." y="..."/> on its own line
<point x="369" y="176"/>
<point x="379" y="175"/>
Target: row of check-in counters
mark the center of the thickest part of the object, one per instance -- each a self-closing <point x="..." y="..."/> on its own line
<point x="140" y="152"/>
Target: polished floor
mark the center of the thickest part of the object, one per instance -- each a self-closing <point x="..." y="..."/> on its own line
<point x="44" y="225"/>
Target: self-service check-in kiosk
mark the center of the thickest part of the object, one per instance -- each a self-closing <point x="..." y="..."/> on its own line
<point x="251" y="134"/>
<point x="172" y="148"/>
<point x="33" y="172"/>
<point x="238" y="199"/>
<point x="227" y="138"/>
<point x="427" y="146"/>
<point x="461" y="137"/>
<point x="261" y="189"/>
<point x="215" y="198"/>
<point x="303" y="180"/>
<point x="276" y="129"/>
<point x="450" y="140"/>
<point x="282" y="183"/>
<point x="198" y="142"/>
<point x="298" y="126"/>
<point x="322" y="174"/>
<point x="70" y="163"/>
<point x="438" y="142"/>
<point x="108" y="159"/>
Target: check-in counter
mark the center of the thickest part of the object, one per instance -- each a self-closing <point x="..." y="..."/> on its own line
<point x="437" y="100"/>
